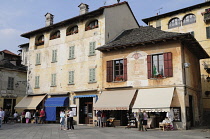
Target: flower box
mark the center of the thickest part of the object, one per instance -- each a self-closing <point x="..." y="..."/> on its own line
<point x="119" y="78"/>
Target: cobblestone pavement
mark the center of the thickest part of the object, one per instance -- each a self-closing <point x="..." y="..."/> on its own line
<point x="52" y="131"/>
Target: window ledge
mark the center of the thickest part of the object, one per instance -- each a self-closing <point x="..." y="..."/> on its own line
<point x="53" y="86"/>
<point x="118" y="81"/>
<point x="92" y="82"/>
<point x="37" y="64"/>
<point x="157" y="78"/>
<point x="36" y="87"/>
<point x="91" y="55"/>
<point x="72" y="58"/>
<point x="71" y="84"/>
<point x="54" y="61"/>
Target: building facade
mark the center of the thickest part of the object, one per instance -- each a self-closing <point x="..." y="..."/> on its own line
<point x="62" y="61"/>
<point x="155" y="63"/>
<point x="12" y="80"/>
<point x="194" y="20"/>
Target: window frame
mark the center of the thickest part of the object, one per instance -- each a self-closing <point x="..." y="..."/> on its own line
<point x="10" y="83"/>
<point x="54" y="56"/>
<point x="190" y="20"/>
<point x="174" y="22"/>
<point x="39" y="40"/>
<point x="72" y="30"/>
<point x="71" y="52"/>
<point x="92" y="75"/>
<point x="38" y="59"/>
<point x="92" y="25"/>
<point x="71" y="77"/>
<point x="92" y="46"/>
<point x="158" y="65"/>
<point x="37" y="82"/>
<point x="53" y="80"/>
<point x="55" y="35"/>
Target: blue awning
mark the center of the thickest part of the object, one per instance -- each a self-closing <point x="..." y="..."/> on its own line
<point x="83" y="96"/>
<point x="57" y="102"/>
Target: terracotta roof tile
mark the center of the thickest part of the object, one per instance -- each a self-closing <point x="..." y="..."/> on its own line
<point x="8" y="52"/>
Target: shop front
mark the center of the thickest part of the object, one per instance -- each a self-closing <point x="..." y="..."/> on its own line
<point x="116" y="105"/>
<point x="157" y="103"/>
<point x="53" y="106"/>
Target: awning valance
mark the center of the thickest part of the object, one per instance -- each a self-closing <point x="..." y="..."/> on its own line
<point x="83" y="96"/>
<point x="57" y="102"/>
<point x="30" y="102"/>
<point x="154" y="100"/>
<point x="115" y="100"/>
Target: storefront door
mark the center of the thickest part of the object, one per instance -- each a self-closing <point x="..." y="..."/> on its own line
<point x="85" y="110"/>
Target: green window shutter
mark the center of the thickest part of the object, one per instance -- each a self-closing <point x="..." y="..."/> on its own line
<point x="92" y="48"/>
<point x="71" y="52"/>
<point x="55" y="56"/>
<point x="92" y="75"/>
<point x="38" y="58"/>
<point x="208" y="32"/>
<point x="71" y="77"/>
<point x="37" y="82"/>
<point x="55" y="79"/>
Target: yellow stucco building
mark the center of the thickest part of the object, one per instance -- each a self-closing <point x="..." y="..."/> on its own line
<point x="194" y="20"/>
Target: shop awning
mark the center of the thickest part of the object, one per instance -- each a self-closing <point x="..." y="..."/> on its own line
<point x="57" y="102"/>
<point x="30" y="102"/>
<point x="115" y="100"/>
<point x="154" y="100"/>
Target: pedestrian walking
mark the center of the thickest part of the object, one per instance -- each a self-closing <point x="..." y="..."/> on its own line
<point x="42" y="116"/>
<point x="140" y="120"/>
<point x="99" y="114"/>
<point x="62" y="119"/>
<point x="1" y="117"/>
<point x="145" y="120"/>
<point x="15" y="115"/>
<point x="70" y="124"/>
<point x="28" y="116"/>
<point x="6" y="116"/>
<point x="36" y="116"/>
<point x="103" y="119"/>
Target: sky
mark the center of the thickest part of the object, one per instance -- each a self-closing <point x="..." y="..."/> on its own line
<point x="21" y="16"/>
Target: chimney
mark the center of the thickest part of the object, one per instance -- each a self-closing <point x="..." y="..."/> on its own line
<point x="83" y="8"/>
<point x="49" y="19"/>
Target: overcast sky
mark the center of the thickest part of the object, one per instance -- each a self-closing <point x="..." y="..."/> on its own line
<point x="21" y="16"/>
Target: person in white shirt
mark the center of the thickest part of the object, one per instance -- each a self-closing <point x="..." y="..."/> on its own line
<point x="1" y="116"/>
<point x="15" y="115"/>
<point x="70" y="115"/>
<point x="28" y="116"/>
<point x="62" y="119"/>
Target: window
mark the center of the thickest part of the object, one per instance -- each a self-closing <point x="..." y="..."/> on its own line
<point x="158" y="24"/>
<point x="55" y="35"/>
<point x="71" y="77"/>
<point x="92" y="25"/>
<point x="71" y="52"/>
<point x="175" y="22"/>
<point x="10" y="83"/>
<point x="92" y="77"/>
<point x="72" y="30"/>
<point x="54" y="55"/>
<point x="40" y="40"/>
<point x="38" y="62"/>
<point x="92" y="48"/>
<point x="160" y="65"/>
<point x="208" y="32"/>
<point x="36" y="81"/>
<point x="53" y="79"/>
<point x="189" y="19"/>
<point x="117" y="70"/>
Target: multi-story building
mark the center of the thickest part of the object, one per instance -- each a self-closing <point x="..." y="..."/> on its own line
<point x="63" y="63"/>
<point x="12" y="80"/>
<point x="195" y="20"/>
<point x="156" y="63"/>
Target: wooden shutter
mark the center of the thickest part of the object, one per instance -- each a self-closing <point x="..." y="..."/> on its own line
<point x="93" y="47"/>
<point x="72" y="53"/>
<point x="168" y="67"/>
<point x="125" y="69"/>
<point x="90" y="48"/>
<point x="109" y="71"/>
<point x="55" y="55"/>
<point x="149" y="69"/>
<point x="208" y="32"/>
<point x="71" y="77"/>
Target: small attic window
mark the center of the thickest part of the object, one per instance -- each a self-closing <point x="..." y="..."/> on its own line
<point x="92" y="25"/>
<point x="72" y="30"/>
<point x="55" y="35"/>
<point x="39" y="40"/>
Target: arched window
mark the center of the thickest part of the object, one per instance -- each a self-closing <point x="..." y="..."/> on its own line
<point x="175" y="22"/>
<point x="92" y="25"/>
<point x="72" y="30"/>
<point x="55" y="35"/>
<point x="189" y="19"/>
<point x="39" y="40"/>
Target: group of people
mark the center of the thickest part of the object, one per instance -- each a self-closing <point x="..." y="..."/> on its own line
<point x="69" y="115"/>
<point x="38" y="116"/>
<point x="102" y="118"/>
<point x="142" y="118"/>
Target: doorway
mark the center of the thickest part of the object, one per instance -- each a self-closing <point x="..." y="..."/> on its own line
<point x="191" y="111"/>
<point x="85" y="110"/>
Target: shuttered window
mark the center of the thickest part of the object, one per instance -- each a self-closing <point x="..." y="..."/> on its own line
<point x="54" y="55"/>
<point x="71" y="52"/>
<point x="160" y="65"/>
<point x="92" y="76"/>
<point x="53" y="79"/>
<point x="208" y="32"/>
<point x="92" y="48"/>
<point x="117" y="70"/>
<point x="38" y="62"/>
<point x="10" y="83"/>
<point x="36" y="81"/>
<point x="71" y="77"/>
